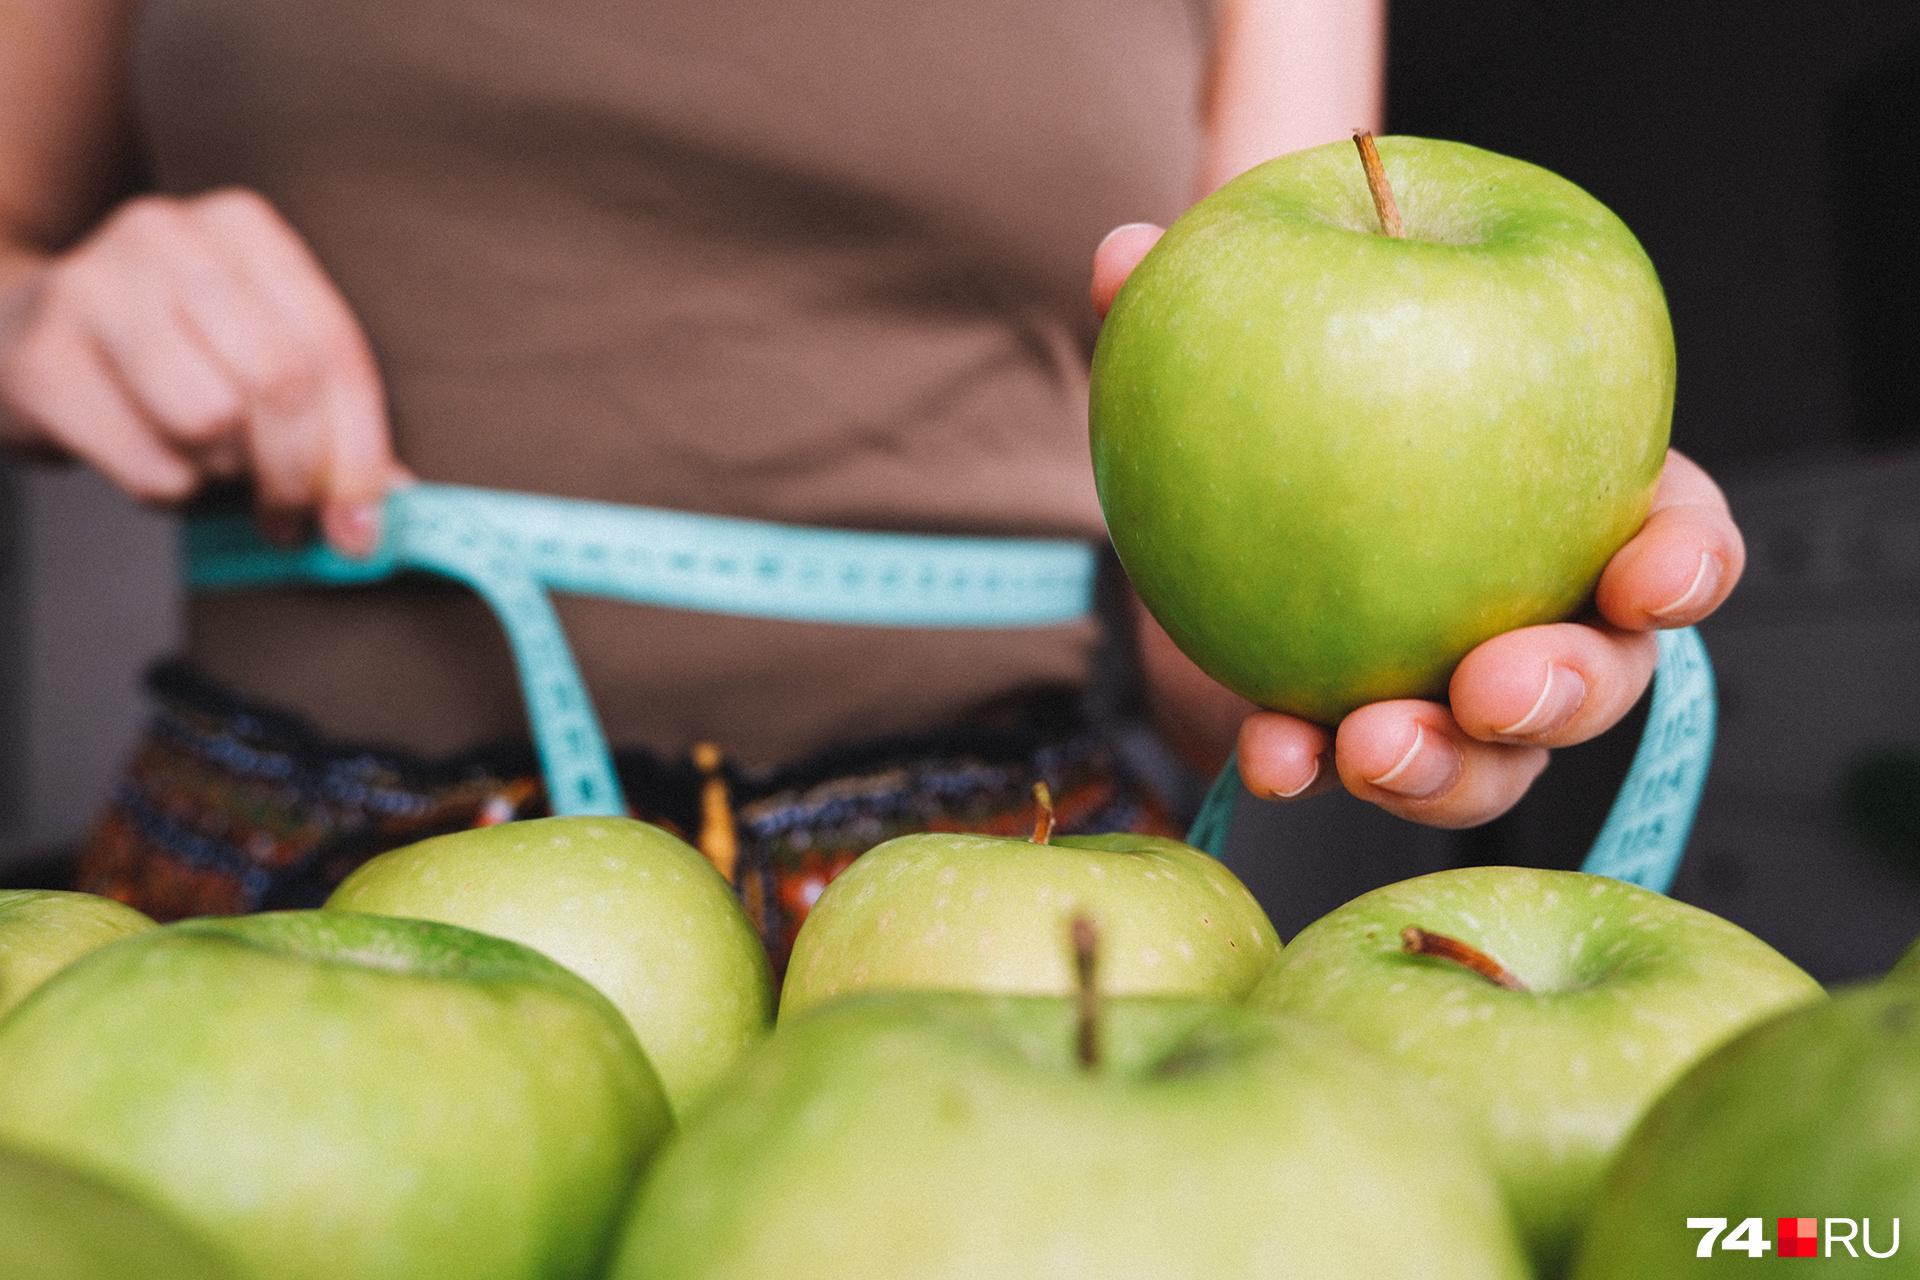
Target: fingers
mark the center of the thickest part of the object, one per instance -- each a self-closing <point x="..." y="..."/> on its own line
<point x="1684" y="561"/>
<point x="1551" y="686"/>
<point x="1116" y="257"/>
<point x="1412" y="760"/>
<point x="1512" y="698"/>
<point x="323" y="385"/>
<point x="226" y="348"/>
<point x="1282" y="758"/>
<point x="58" y="380"/>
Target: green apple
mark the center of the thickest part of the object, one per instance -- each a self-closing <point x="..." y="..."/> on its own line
<point x="1334" y="460"/>
<point x="1814" y="1113"/>
<point x="1614" y="991"/>
<point x="1908" y="965"/>
<point x="325" y="1094"/>
<point x="945" y="1136"/>
<point x="961" y="912"/>
<point x="58" y="1223"/>
<point x="629" y="907"/>
<point x="44" y="930"/>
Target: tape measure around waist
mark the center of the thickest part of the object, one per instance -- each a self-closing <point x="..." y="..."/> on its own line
<point x="1646" y="830"/>
<point x="512" y="549"/>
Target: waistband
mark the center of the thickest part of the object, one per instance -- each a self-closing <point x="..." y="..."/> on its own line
<point x="231" y="806"/>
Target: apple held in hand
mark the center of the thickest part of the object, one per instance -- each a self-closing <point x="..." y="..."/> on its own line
<point x="954" y="1137"/>
<point x="629" y="907"/>
<point x="44" y="930"/>
<point x="1333" y="460"/>
<point x="58" y="1223"/>
<point x="327" y="1095"/>
<point x="1815" y="1112"/>
<point x="961" y="912"/>
<point x="1547" y="1008"/>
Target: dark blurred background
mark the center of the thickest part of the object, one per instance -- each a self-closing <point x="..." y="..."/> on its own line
<point x="1768" y="155"/>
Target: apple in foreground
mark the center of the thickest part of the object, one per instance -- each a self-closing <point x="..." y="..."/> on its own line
<point x="953" y="1137"/>
<point x="44" y="930"/>
<point x="1815" y="1112"/>
<point x="324" y="1094"/>
<point x="634" y="910"/>
<point x="962" y="912"/>
<point x="58" y="1223"/>
<point x="1547" y="1008"/>
<point x="1333" y="459"/>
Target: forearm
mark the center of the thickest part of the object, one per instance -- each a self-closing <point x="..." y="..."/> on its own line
<point x="1289" y="74"/>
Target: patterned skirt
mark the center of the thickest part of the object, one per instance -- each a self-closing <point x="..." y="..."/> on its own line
<point x="228" y="807"/>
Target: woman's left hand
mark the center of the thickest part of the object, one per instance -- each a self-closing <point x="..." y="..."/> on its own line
<point x="1470" y="759"/>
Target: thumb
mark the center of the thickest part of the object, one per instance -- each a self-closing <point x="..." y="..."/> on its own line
<point x="1116" y="257"/>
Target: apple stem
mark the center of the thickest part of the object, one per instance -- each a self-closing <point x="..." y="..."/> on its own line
<point x="1043" y="815"/>
<point x="1377" y="187"/>
<point x="719" y="838"/>
<point x="1418" y="942"/>
<point x="1086" y="967"/>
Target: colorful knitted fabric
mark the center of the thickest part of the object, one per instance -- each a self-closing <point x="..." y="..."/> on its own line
<point x="228" y="808"/>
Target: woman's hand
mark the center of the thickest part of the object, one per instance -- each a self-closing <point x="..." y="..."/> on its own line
<point x="1511" y="699"/>
<point x="186" y="340"/>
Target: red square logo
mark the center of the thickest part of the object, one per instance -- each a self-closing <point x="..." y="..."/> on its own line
<point x="1799" y="1238"/>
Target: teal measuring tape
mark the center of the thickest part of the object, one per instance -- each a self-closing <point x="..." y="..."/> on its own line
<point x="1646" y="830"/>
<point x="513" y="549"/>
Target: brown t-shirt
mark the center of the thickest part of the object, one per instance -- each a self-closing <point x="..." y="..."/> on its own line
<point x="822" y="262"/>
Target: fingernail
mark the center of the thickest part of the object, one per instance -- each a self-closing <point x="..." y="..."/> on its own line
<point x="1313" y="776"/>
<point x="1706" y="581"/>
<point x="1119" y="230"/>
<point x="1559" y="698"/>
<point x="1429" y="767"/>
<point x="354" y="529"/>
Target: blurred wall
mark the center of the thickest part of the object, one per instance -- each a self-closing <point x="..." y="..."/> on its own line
<point x="87" y="599"/>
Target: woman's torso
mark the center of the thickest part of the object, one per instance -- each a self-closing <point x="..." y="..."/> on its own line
<point x="817" y="262"/>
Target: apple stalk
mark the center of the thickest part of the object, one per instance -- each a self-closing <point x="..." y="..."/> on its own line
<point x="1384" y="204"/>
<point x="1043" y="813"/>
<point x="1416" y="941"/>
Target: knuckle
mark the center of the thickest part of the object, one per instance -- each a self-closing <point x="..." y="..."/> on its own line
<point x="236" y="203"/>
<point x="147" y="218"/>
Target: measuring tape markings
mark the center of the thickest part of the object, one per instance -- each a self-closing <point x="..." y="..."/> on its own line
<point x="460" y="543"/>
<point x="1646" y="831"/>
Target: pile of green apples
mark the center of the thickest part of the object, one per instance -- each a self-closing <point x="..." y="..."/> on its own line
<point x="549" y="1049"/>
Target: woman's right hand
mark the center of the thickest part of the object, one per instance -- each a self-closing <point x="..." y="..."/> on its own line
<point x="187" y="340"/>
